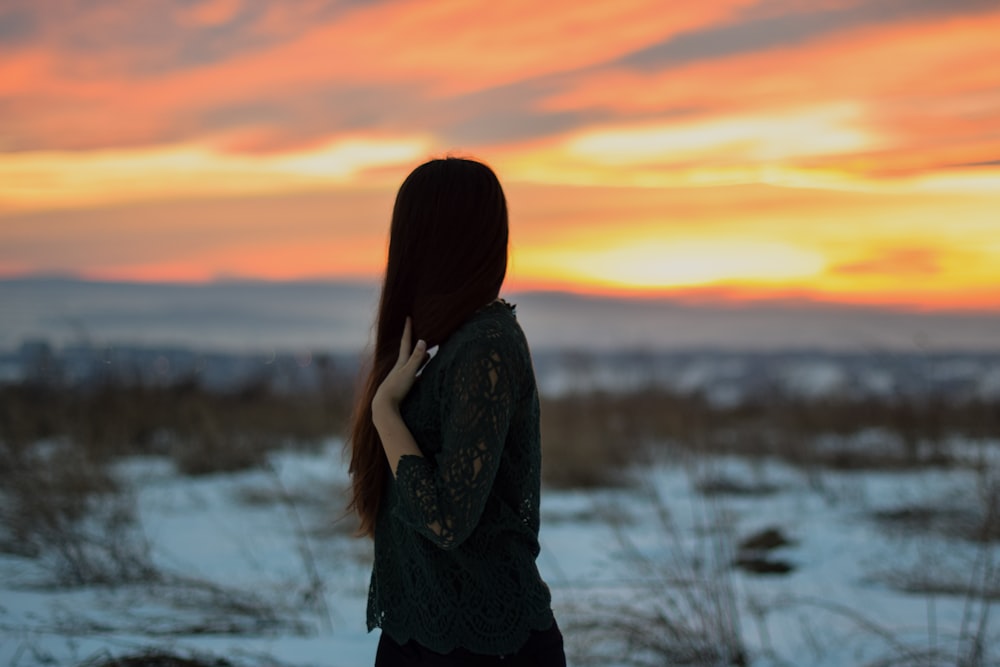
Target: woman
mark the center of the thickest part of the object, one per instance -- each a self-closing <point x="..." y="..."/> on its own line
<point x="445" y="457"/>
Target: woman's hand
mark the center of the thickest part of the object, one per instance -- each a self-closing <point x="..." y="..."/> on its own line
<point x="397" y="441"/>
<point x="397" y="384"/>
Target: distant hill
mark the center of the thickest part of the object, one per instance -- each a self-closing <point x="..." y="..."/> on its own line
<point x="250" y="315"/>
<point x="559" y="319"/>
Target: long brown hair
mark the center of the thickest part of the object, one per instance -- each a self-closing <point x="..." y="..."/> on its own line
<point x="447" y="258"/>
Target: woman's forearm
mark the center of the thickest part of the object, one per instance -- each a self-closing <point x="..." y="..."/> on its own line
<point x="397" y="441"/>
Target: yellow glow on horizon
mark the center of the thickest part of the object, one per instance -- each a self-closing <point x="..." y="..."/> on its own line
<point x="46" y="180"/>
<point x="662" y="264"/>
<point x="810" y="132"/>
<point x="340" y="160"/>
<point x="790" y="148"/>
<point x="554" y="165"/>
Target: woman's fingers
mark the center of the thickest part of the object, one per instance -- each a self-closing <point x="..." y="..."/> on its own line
<point x="410" y="357"/>
<point x="404" y="343"/>
<point x="416" y="359"/>
<point x="397" y="384"/>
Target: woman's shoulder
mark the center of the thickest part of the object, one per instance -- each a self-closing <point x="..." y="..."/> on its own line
<point x="494" y="322"/>
<point x="489" y="341"/>
<point x="493" y="328"/>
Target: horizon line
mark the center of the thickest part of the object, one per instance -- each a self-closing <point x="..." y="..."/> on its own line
<point x="718" y="296"/>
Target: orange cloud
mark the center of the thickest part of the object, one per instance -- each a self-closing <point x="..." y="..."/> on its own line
<point x="445" y="49"/>
<point x="897" y="262"/>
<point x="722" y="150"/>
<point x="929" y="89"/>
<point x="334" y="234"/>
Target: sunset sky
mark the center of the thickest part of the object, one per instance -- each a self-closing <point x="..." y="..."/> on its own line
<point x="828" y="150"/>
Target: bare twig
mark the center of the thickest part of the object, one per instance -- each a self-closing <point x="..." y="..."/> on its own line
<point x="316" y="594"/>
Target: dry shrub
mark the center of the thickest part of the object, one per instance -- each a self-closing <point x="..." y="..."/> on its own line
<point x="157" y="658"/>
<point x="919" y="579"/>
<point x="957" y="522"/>
<point x="213" y="452"/>
<point x="176" y="657"/>
<point x="70" y="515"/>
<point x="970" y="514"/>
<point x="200" y="607"/>
<point x="63" y="508"/>
<point x="684" y="611"/>
<point x="722" y="484"/>
<point x="968" y="645"/>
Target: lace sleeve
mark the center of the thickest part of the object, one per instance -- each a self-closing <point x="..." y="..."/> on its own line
<point x="443" y="500"/>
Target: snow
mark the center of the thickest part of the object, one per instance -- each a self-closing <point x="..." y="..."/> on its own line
<point x="248" y="537"/>
<point x="989" y="383"/>
<point x="813" y="378"/>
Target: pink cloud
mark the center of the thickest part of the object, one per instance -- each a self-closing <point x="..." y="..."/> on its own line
<point x="432" y="51"/>
<point x="208" y="13"/>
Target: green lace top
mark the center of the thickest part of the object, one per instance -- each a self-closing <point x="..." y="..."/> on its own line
<point x="457" y="534"/>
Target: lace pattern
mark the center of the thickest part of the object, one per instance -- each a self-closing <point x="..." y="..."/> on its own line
<point x="444" y="500"/>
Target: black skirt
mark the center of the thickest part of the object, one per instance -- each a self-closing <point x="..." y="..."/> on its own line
<point x="543" y="649"/>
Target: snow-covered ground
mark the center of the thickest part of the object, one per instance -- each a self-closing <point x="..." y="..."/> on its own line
<point x="257" y="567"/>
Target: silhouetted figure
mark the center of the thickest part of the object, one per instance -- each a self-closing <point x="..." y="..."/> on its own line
<point x="445" y="448"/>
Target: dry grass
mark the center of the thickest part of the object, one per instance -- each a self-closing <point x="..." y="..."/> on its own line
<point x="62" y="507"/>
<point x="71" y="517"/>
<point x="588" y="439"/>
<point x="965" y="646"/>
<point x="157" y="658"/>
<point x="684" y="612"/>
<point x="202" y="431"/>
<point x="970" y="514"/>
<point x="176" y="657"/>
